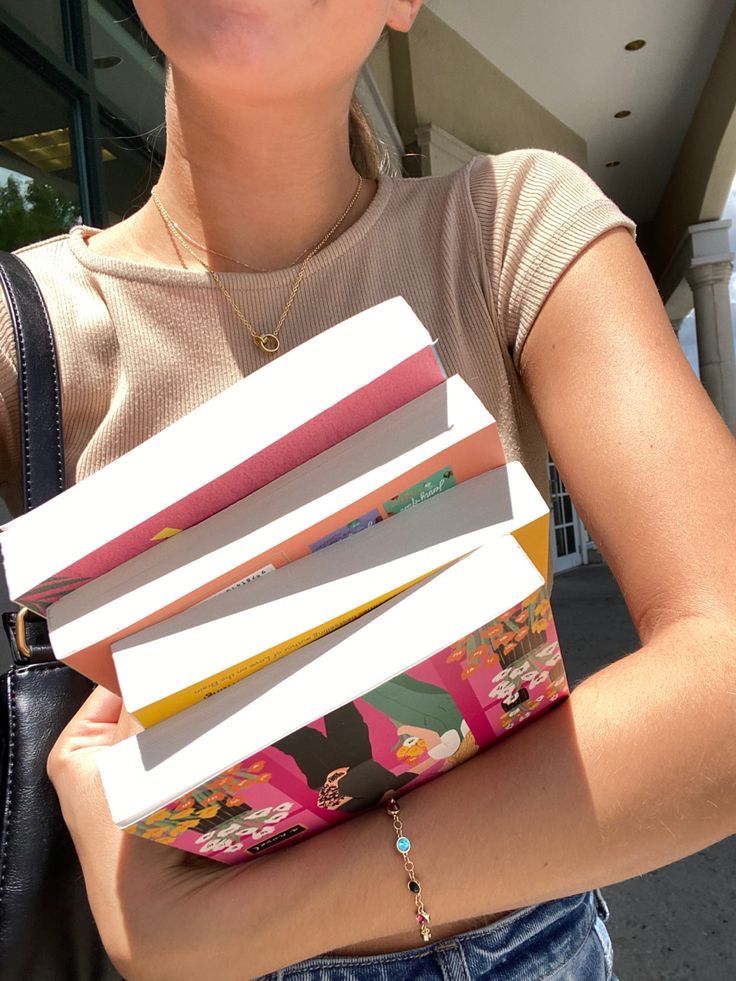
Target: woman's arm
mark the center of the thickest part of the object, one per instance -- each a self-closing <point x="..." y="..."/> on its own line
<point x="634" y="771"/>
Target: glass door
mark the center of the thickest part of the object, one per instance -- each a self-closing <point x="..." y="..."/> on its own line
<point x="565" y="527"/>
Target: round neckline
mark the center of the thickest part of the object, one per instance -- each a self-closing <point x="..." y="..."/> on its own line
<point x="79" y="235"/>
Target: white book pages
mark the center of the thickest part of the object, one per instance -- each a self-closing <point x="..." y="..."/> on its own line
<point x="228" y="629"/>
<point x="204" y="444"/>
<point x="262" y="522"/>
<point x="143" y="773"/>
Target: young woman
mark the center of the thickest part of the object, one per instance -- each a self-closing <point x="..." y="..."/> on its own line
<point x="541" y="300"/>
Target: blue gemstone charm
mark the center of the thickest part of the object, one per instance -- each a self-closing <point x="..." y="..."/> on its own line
<point x="403" y="844"/>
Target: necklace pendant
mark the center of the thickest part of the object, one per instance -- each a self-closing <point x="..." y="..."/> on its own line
<point x="267" y="342"/>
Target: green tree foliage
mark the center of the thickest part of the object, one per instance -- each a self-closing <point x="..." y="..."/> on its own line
<point x="31" y="213"/>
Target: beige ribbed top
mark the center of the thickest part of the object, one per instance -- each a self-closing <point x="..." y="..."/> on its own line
<point x="474" y="253"/>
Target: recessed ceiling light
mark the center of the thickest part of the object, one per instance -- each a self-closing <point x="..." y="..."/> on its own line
<point x="613" y="163"/>
<point x="622" y="114"/>
<point x="635" y="45"/>
<point x="107" y="61"/>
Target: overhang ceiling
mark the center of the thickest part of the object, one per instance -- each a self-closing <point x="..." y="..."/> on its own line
<point x="569" y="55"/>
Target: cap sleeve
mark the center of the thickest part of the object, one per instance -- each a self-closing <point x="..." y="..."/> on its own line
<point x="537" y="211"/>
<point x="10" y="479"/>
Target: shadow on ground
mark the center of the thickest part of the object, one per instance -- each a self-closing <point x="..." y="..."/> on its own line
<point x="678" y="923"/>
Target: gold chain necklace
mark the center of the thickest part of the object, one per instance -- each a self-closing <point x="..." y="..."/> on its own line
<point x="268" y="342"/>
<point x="175" y="226"/>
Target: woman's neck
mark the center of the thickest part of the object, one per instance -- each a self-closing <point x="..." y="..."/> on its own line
<point x="259" y="183"/>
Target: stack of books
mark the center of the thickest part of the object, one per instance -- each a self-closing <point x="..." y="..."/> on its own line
<point x="316" y="591"/>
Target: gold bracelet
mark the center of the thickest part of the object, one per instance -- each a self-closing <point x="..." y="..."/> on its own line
<point x="403" y="847"/>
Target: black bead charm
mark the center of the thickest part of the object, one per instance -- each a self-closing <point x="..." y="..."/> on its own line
<point x="414" y="886"/>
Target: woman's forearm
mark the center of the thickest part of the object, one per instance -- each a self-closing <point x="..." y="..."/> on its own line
<point x="634" y="771"/>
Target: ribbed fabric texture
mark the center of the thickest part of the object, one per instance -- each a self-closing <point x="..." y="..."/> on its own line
<point x="474" y="253"/>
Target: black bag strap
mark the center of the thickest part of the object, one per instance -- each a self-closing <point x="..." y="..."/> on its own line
<point x="41" y="443"/>
<point x="46" y="927"/>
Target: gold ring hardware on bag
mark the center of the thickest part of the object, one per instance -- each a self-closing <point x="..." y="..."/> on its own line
<point x="20" y="631"/>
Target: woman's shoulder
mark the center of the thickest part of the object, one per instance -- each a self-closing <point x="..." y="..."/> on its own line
<point x="43" y="259"/>
<point x="52" y="256"/>
<point x="51" y="262"/>
<point x="534" y="187"/>
<point x="536" y="210"/>
<point x="520" y="187"/>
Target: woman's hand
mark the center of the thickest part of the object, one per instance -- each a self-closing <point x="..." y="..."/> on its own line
<point x="158" y="908"/>
<point x="134" y="887"/>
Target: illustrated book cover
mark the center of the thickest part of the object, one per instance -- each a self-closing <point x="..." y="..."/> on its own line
<point x="411" y="689"/>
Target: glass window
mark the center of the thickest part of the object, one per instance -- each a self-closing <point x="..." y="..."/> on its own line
<point x="128" y="173"/>
<point x="560" y="537"/>
<point x="39" y="190"/>
<point x="128" y="71"/>
<point x="42" y="18"/>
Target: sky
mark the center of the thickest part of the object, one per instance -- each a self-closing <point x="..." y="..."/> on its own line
<point x="687" y="330"/>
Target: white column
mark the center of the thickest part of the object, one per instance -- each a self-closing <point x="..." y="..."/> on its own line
<point x="710" y="285"/>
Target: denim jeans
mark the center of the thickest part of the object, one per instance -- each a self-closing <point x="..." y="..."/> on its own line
<point x="562" y="940"/>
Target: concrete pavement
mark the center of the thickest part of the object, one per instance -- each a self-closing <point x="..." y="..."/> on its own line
<point x="678" y="923"/>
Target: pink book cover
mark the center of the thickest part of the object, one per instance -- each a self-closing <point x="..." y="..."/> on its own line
<point x="396" y="387"/>
<point x="476" y="454"/>
<point x="404" y="732"/>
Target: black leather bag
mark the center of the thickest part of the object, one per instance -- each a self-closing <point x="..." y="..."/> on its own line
<point x="46" y="928"/>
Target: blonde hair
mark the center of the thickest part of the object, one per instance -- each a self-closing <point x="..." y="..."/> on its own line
<point x="368" y="155"/>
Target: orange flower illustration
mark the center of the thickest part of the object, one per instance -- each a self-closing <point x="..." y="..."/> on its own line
<point x="208" y="812"/>
<point x="222" y="781"/>
<point x="185" y="826"/>
<point x="158" y="816"/>
<point x="212" y="798"/>
<point x="154" y="832"/>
